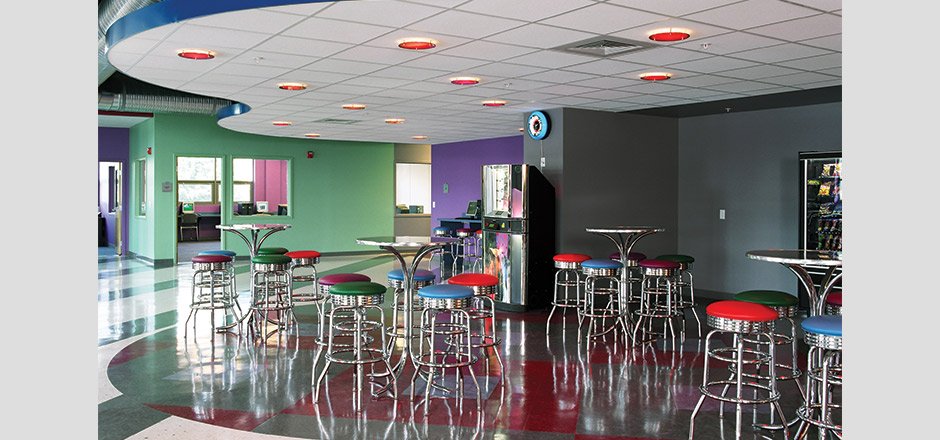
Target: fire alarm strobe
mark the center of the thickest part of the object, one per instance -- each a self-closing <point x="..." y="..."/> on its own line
<point x="537" y="125"/>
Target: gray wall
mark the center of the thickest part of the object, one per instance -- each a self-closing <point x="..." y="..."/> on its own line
<point x="623" y="169"/>
<point x="746" y="163"/>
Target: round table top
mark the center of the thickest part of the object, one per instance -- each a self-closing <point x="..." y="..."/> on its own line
<point x="624" y="229"/>
<point x="798" y="256"/>
<point x="252" y="226"/>
<point x="404" y="240"/>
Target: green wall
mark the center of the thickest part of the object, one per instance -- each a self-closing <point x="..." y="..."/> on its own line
<point x="346" y="191"/>
<point x="141" y="228"/>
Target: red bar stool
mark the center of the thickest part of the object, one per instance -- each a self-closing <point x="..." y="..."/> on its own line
<point x="567" y="276"/>
<point x="211" y="289"/>
<point x="634" y="275"/>
<point x="659" y="297"/>
<point x="740" y="319"/>
<point x="304" y="261"/>
<point x="834" y="303"/>
<point x="483" y="310"/>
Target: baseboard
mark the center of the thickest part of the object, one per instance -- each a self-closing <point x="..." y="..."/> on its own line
<point x="157" y="264"/>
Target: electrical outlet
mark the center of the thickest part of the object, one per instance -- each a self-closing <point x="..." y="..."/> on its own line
<point x="542" y="161"/>
<point x="446" y="188"/>
<point x="721" y="214"/>
<point x="433" y="204"/>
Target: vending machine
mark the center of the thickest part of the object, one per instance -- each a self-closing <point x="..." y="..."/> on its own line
<point x="518" y="234"/>
<point x="821" y="188"/>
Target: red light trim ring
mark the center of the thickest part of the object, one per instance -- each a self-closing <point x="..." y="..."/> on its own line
<point x="655" y="76"/>
<point x="292" y="86"/>
<point x="417" y="43"/>
<point x="281" y="123"/>
<point x="354" y="106"/>
<point x="494" y="103"/>
<point x="419" y="137"/>
<point x="312" y="135"/>
<point x="465" y="80"/>
<point x="395" y="121"/>
<point x="196" y="54"/>
<point x="670" y="34"/>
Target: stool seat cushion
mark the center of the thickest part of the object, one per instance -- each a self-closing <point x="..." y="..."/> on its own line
<point x="303" y="254"/>
<point x="632" y="256"/>
<point x="571" y="258"/>
<point x="219" y="252"/>
<point x="445" y="291"/>
<point x="600" y="263"/>
<point x="212" y="259"/>
<point x="653" y="263"/>
<point x="773" y="298"/>
<point x="419" y="275"/>
<point x="271" y="259"/>
<point x="272" y="251"/>
<point x="479" y="232"/>
<point x="336" y="278"/>
<point x="830" y="325"/>
<point x="834" y="298"/>
<point x="678" y="258"/>
<point x="354" y="288"/>
<point x="473" y="279"/>
<point x="741" y="311"/>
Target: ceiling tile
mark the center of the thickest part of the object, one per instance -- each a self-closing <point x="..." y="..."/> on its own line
<point x="648" y="99"/>
<point x="606" y="82"/>
<point x="570" y="100"/>
<point x="251" y="20"/>
<point x="798" y="79"/>
<point x="344" y="66"/>
<point x="272" y="59"/>
<point x="444" y="63"/>
<point x="651" y="88"/>
<point x="410" y="73"/>
<point x="758" y="72"/>
<point x="608" y="95"/>
<point x="781" y="52"/>
<point x="713" y="64"/>
<point x="507" y="70"/>
<point x="696" y="29"/>
<point x="384" y="13"/>
<point x="771" y="91"/>
<point x="691" y="93"/>
<point x="752" y="13"/>
<point x="306" y="9"/>
<point x="729" y="43"/>
<point x="662" y="56"/>
<point x="136" y="46"/>
<point x="313" y="77"/>
<point x="674" y="8"/>
<point x="835" y="72"/>
<point x="370" y="81"/>
<point x="540" y="36"/>
<point x="336" y="30"/>
<point x="550" y="59"/>
<point x="390" y="40"/>
<point x="253" y="70"/>
<point x="822" y="5"/>
<point x="603" y="18"/>
<point x="742" y="86"/>
<point x="832" y="42"/>
<point x="604" y="67"/>
<point x="189" y="35"/>
<point x="123" y="61"/>
<point x="301" y="46"/>
<point x="486" y="50"/>
<point x="816" y="85"/>
<point x="563" y="89"/>
<point x="378" y="54"/>
<point x="816" y="63"/>
<point x="158" y="33"/>
<point x="527" y="10"/>
<point x="701" y="80"/>
<point x="465" y="24"/>
<point x="559" y="76"/>
<point x="803" y="28"/>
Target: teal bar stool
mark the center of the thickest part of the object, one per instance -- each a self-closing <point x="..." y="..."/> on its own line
<point x="396" y="280"/>
<point x="357" y="299"/>
<point x="823" y="334"/>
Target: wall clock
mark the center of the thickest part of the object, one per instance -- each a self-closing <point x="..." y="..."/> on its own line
<point x="537" y="125"/>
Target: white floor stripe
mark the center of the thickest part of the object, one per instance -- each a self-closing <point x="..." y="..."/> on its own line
<point x="180" y="428"/>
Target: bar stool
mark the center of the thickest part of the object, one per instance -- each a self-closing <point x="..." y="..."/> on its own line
<point x="483" y="310"/>
<point x="210" y="289"/>
<point x="357" y="298"/>
<point x="567" y="276"/>
<point x="659" y="296"/>
<point x="272" y="251"/>
<point x="444" y="253"/>
<point x="685" y="301"/>
<point x="272" y="285"/>
<point x="823" y="335"/>
<point x="599" y="272"/>
<point x="229" y="277"/>
<point x="476" y="265"/>
<point x="740" y="319"/>
<point x="324" y="284"/>
<point x="445" y="343"/>
<point x="305" y="261"/>
<point x="460" y="248"/>
<point x="396" y="280"/>
<point x="786" y="306"/>
<point x="834" y="303"/>
<point x="634" y="276"/>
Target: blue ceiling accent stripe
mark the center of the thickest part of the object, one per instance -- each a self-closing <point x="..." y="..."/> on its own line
<point x="232" y="110"/>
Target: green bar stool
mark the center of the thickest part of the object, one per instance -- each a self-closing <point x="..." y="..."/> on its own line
<point x="357" y="298"/>
<point x="271" y="281"/>
<point x="786" y="306"/>
<point x="685" y="286"/>
<point x="272" y="251"/>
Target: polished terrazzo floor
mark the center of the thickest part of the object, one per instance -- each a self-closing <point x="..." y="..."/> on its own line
<point x="154" y="383"/>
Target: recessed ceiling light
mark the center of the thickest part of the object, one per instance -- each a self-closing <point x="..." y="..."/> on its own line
<point x="670" y="34"/>
<point x="281" y="123"/>
<point x="196" y="54"/>
<point x="312" y="135"/>
<point x="417" y="43"/>
<point x="465" y="80"/>
<point x="521" y="129"/>
<point x="394" y="120"/>
<point x="354" y="106"/>
<point x="419" y="137"/>
<point x="494" y="103"/>
<point x="292" y="86"/>
<point x="655" y="76"/>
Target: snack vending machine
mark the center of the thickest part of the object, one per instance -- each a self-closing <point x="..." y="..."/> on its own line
<point x="821" y="187"/>
<point x="518" y="234"/>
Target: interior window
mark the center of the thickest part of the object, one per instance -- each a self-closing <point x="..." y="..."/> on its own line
<point x="413" y="188"/>
<point x="259" y="186"/>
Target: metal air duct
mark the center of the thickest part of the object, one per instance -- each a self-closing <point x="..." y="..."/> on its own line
<point x="128" y="102"/>
<point x="110" y="11"/>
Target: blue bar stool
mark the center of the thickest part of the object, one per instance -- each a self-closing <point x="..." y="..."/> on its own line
<point x="396" y="280"/>
<point x="445" y="342"/>
<point x="602" y="297"/>
<point x="823" y="334"/>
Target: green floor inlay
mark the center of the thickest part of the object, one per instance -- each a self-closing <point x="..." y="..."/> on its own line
<point x="123" y="416"/>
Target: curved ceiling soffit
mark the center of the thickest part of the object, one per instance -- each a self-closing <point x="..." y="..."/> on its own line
<point x="174" y="11"/>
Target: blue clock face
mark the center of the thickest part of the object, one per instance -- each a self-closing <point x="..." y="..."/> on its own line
<point x="537" y="125"/>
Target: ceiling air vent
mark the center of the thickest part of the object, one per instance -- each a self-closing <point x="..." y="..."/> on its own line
<point x="604" y="46"/>
<point x="337" y="121"/>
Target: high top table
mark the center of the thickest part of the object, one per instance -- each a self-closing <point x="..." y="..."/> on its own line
<point x="254" y="242"/>
<point x="624" y="237"/>
<point x="393" y="244"/>
<point x="797" y="261"/>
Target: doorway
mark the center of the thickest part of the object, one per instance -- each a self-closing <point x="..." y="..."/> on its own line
<point x="198" y="205"/>
<point x="111" y="233"/>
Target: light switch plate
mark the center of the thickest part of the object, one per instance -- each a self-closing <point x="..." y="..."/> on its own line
<point x="445" y="188"/>
<point x="721" y="214"/>
<point x="542" y="161"/>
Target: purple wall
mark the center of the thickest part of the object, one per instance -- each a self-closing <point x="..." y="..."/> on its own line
<point x="271" y="182"/>
<point x="458" y="165"/>
<point x="114" y="146"/>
